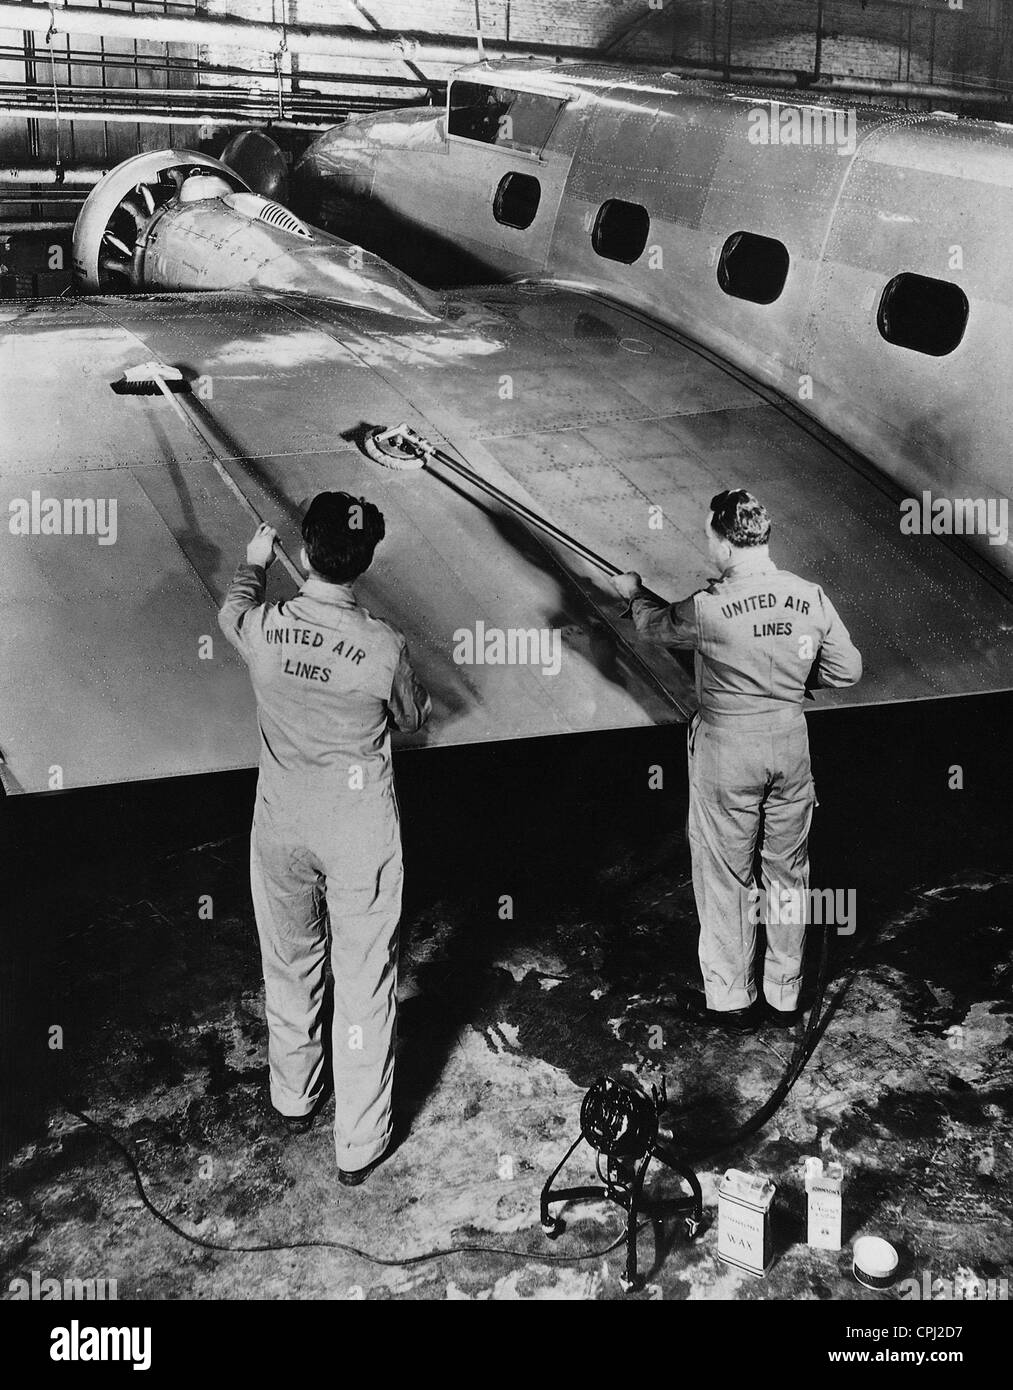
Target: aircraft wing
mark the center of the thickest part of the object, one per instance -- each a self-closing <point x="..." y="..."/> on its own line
<point x="617" y="430"/>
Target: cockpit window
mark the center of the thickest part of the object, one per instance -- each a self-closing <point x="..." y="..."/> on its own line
<point x="499" y="116"/>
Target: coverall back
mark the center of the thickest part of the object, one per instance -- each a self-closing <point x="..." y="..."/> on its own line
<point x="756" y="633"/>
<point x="330" y="679"/>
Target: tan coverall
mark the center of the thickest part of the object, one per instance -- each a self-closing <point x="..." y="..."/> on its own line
<point x="329" y="681"/>
<point x="750" y="779"/>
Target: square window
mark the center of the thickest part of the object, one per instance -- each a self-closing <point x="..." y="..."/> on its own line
<point x="516" y="201"/>
<point x="923" y="314"/>
<point x="621" y="231"/>
<point x="753" y="267"/>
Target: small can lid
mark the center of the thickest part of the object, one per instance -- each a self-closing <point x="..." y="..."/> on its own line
<point x="749" y="1187"/>
<point x="875" y="1262"/>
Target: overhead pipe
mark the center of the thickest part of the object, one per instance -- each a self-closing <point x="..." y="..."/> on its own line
<point x="35" y="225"/>
<point x="55" y="205"/>
<point x="103" y="115"/>
<point x="36" y="174"/>
<point x="228" y="99"/>
<point x="931" y="91"/>
<point x="81" y="58"/>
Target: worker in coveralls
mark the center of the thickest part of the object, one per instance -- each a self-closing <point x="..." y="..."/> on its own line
<point x="330" y="681"/>
<point x="757" y="632"/>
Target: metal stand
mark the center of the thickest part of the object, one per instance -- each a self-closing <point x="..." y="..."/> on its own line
<point x="626" y="1189"/>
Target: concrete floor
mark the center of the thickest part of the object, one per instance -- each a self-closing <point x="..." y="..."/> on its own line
<point x="503" y="1026"/>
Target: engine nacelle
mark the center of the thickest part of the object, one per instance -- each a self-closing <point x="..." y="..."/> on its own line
<point x="110" y="228"/>
<point x="178" y="221"/>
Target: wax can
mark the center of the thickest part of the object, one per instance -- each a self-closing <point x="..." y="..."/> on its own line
<point x="744" y="1239"/>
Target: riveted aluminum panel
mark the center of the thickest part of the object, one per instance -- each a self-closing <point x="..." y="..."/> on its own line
<point x="101" y="676"/>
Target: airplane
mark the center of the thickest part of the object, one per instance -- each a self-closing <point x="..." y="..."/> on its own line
<point x="852" y="260"/>
<point x="611" y="398"/>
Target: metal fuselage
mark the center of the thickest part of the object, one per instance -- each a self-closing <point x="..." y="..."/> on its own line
<point x="870" y="196"/>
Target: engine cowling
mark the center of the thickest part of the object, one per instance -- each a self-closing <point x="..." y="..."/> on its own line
<point x="110" y="229"/>
<point x="182" y="222"/>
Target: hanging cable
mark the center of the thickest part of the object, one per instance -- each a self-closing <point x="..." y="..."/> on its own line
<point x="56" y="97"/>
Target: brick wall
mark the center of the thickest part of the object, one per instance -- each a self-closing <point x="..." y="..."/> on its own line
<point x="921" y="41"/>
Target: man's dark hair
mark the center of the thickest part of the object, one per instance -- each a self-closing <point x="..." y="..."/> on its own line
<point x="341" y="532"/>
<point x="740" y="519"/>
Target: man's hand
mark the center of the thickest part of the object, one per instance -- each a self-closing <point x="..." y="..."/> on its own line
<point x="627" y="586"/>
<point x="260" y="551"/>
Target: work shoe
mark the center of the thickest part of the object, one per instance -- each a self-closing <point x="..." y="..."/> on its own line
<point x="731" y="1020"/>
<point x="355" y="1176"/>
<point x="296" y="1124"/>
<point x="734" y="1020"/>
<point x="781" y="1018"/>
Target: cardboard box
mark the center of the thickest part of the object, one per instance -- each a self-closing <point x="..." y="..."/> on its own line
<point x="825" y="1203"/>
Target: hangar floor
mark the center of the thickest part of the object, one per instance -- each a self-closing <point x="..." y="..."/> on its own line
<point x="505" y="1024"/>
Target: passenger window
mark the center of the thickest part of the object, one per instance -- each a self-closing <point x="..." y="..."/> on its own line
<point x="923" y="314"/>
<point x="621" y="231"/>
<point x="516" y="201"/>
<point x="499" y="116"/>
<point x="753" y="267"/>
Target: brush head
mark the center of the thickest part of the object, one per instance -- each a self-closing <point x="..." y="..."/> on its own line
<point x="142" y="379"/>
<point x="399" y="449"/>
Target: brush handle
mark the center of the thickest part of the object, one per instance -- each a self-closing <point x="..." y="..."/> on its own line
<point x="533" y="519"/>
<point x="429" y="452"/>
<point x="197" y="426"/>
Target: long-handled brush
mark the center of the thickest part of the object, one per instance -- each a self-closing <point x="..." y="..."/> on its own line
<point x="403" y="448"/>
<point x="174" y="387"/>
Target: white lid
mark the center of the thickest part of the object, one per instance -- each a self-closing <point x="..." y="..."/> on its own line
<point x="874" y="1257"/>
